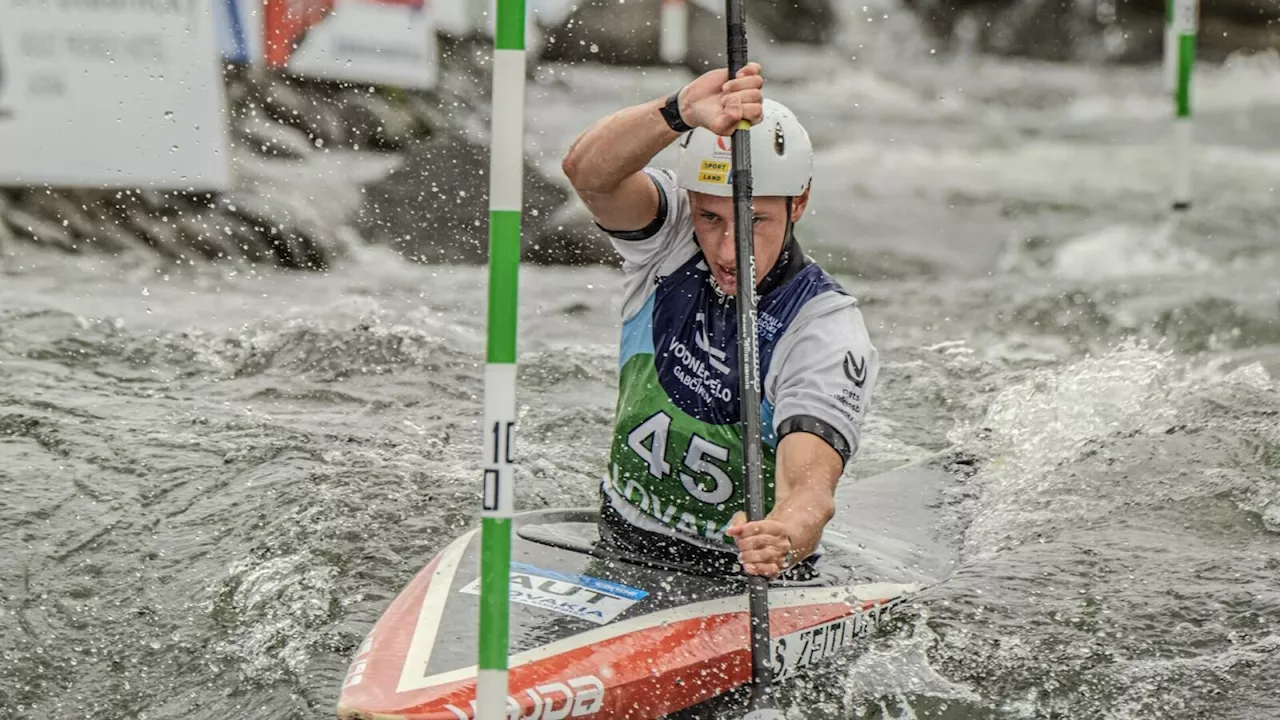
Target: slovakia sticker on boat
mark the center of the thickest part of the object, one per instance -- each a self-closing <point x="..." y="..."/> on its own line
<point x="580" y="596"/>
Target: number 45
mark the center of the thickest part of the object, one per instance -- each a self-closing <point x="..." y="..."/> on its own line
<point x="697" y="458"/>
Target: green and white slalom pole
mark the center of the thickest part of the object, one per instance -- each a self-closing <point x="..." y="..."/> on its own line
<point x="1180" y="49"/>
<point x="506" y="191"/>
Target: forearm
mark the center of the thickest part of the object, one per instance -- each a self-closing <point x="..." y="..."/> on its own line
<point x="616" y="147"/>
<point x="807" y="473"/>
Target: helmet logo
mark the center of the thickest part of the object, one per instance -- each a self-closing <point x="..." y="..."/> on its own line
<point x="779" y="140"/>
<point x="722" y="142"/>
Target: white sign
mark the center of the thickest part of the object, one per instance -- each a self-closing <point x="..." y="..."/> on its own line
<point x="111" y="93"/>
<point x="580" y="596"/>
<point x="387" y="43"/>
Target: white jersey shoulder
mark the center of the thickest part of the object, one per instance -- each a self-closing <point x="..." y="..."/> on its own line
<point x="825" y="366"/>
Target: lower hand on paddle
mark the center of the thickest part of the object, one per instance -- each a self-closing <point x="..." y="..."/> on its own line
<point x="762" y="545"/>
<point x="715" y="102"/>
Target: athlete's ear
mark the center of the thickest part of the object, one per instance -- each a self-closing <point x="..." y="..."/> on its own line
<point x="799" y="203"/>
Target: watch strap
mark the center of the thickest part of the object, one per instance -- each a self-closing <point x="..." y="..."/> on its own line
<point x="671" y="114"/>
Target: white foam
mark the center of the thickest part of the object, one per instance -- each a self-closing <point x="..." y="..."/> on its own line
<point x="1036" y="426"/>
<point x="1122" y="251"/>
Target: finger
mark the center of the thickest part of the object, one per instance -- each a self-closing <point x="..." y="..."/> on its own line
<point x="751" y="82"/>
<point x="764" y="527"/>
<point x="756" y="557"/>
<point x="769" y="570"/>
<point x="739" y="518"/>
<point x="757" y="542"/>
<point x="751" y="68"/>
<point x="753" y="113"/>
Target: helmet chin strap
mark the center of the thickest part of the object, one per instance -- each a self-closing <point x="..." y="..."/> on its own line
<point x="788" y="240"/>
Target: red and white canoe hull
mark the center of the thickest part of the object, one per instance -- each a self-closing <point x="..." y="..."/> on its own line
<point x="666" y="642"/>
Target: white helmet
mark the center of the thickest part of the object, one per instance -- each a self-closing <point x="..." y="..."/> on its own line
<point x="781" y="157"/>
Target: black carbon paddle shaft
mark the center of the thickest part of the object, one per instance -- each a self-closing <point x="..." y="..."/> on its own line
<point x="749" y="363"/>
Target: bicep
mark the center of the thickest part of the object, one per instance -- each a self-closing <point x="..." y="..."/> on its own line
<point x="630" y="207"/>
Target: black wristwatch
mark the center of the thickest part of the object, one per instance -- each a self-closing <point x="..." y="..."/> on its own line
<point x="671" y="113"/>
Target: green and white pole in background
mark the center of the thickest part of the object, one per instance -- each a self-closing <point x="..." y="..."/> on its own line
<point x="1180" y="58"/>
<point x="506" y="191"/>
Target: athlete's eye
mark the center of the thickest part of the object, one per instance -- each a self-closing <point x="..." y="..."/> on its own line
<point x="709" y="216"/>
<point x="756" y="219"/>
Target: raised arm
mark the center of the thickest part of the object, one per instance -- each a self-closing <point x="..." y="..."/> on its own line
<point x="604" y="163"/>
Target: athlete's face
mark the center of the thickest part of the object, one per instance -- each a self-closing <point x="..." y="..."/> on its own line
<point x="713" y="223"/>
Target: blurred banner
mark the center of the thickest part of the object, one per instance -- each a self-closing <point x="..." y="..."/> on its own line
<point x="126" y="93"/>
<point x="388" y="42"/>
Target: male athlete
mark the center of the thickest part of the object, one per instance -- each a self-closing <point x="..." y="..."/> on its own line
<point x="674" y="488"/>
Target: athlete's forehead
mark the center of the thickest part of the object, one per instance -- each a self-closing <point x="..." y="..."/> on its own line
<point x="723" y="206"/>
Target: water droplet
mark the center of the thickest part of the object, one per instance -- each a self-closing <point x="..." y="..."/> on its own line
<point x="146" y="292"/>
<point x="595" y="48"/>
<point x="168" y="114"/>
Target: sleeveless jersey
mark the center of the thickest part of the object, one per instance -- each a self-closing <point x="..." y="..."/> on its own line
<point x="675" y="462"/>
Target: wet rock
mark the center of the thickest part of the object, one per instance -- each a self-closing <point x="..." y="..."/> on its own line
<point x="324" y="123"/>
<point x="313" y="247"/>
<point x="89" y="217"/>
<point x="162" y="201"/>
<point x="271" y="139"/>
<point x="249" y="243"/>
<point x="254" y="209"/>
<point x="434" y="207"/>
<point x="801" y="21"/>
<point x="62" y="210"/>
<point x="6" y="235"/>
<point x="265" y="231"/>
<point x="200" y="232"/>
<point x="114" y="237"/>
<point x="607" y="32"/>
<point x="376" y="122"/>
<point x="571" y="238"/>
<point x="427" y="115"/>
<point x="1130" y="32"/>
<point x="258" y="217"/>
<point x="285" y="99"/>
<point x="162" y="235"/>
<point x="29" y="226"/>
<point x="305" y="104"/>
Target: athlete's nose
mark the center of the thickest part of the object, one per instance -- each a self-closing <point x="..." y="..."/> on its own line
<point x="728" y="246"/>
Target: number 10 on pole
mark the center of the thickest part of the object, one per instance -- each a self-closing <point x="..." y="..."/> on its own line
<point x="506" y="177"/>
